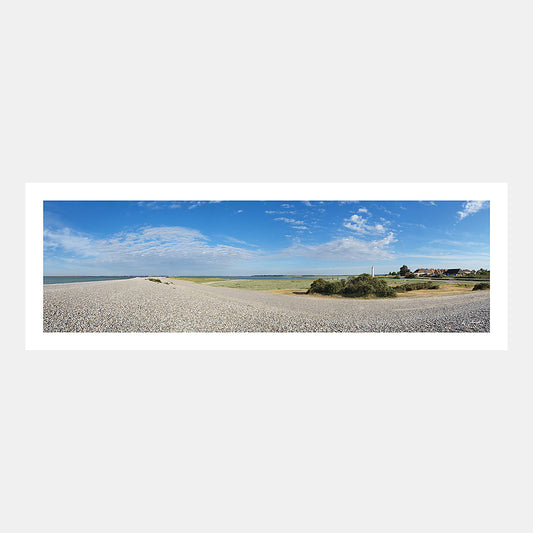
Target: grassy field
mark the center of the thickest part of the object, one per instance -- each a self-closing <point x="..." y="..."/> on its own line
<point x="301" y="284"/>
<point x="266" y="284"/>
<point x="202" y="280"/>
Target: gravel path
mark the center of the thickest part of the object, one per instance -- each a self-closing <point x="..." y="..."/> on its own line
<point x="139" y="305"/>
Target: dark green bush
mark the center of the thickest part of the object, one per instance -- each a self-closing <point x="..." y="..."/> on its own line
<point x="321" y="286"/>
<point x="317" y="286"/>
<point x="416" y="286"/>
<point x="154" y="280"/>
<point x="481" y="286"/>
<point x="382" y="289"/>
<point x="334" y="287"/>
<point x="361" y="286"/>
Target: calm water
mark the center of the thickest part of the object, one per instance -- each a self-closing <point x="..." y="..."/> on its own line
<point x="76" y="279"/>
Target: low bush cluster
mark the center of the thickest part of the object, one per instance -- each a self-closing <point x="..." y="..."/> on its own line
<point x="154" y="280"/>
<point x="416" y="286"/>
<point x="361" y="286"/>
<point x="481" y="286"/>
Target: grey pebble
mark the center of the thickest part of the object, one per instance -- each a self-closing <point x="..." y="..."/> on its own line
<point x="139" y="305"/>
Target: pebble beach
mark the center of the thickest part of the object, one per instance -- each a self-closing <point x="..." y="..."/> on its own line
<point x="140" y="305"/>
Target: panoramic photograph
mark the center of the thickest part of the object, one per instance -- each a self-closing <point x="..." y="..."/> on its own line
<point x="266" y="266"/>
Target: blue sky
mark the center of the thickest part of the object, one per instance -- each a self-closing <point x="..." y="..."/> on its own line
<point x="260" y="237"/>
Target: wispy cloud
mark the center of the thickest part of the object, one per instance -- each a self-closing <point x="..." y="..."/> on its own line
<point x="159" y="205"/>
<point x="289" y="220"/>
<point x="270" y="212"/>
<point x="194" y="205"/>
<point x="344" y="249"/>
<point x="150" y="205"/>
<point x="238" y="241"/>
<point x="148" y="247"/>
<point x="472" y="207"/>
<point x="451" y="242"/>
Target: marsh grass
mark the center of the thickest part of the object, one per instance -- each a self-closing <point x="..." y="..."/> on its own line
<point x="265" y="284"/>
<point x="300" y="285"/>
<point x="417" y="286"/>
<point x="201" y="280"/>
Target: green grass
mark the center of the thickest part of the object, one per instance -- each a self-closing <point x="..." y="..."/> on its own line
<point x="201" y="280"/>
<point x="265" y="284"/>
<point x="302" y="283"/>
<point x="421" y="285"/>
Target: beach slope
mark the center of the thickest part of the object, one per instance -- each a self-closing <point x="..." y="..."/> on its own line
<point x="140" y="305"/>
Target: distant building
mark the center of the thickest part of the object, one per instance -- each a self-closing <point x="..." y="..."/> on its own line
<point x="424" y="272"/>
<point x="452" y="271"/>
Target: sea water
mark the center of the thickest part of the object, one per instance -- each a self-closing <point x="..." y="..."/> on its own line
<point x="76" y="279"/>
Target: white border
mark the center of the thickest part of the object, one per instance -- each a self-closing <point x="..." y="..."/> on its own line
<point x="36" y="193"/>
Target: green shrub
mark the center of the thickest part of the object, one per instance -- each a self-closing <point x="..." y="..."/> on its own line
<point x="321" y="286"/>
<point x="317" y="286"/>
<point x="382" y="289"/>
<point x="154" y="280"/>
<point x="362" y="286"/>
<point x="481" y="286"/>
<point x="416" y="286"/>
<point x="334" y="287"/>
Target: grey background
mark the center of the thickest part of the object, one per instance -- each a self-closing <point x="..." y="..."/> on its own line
<point x="264" y="441"/>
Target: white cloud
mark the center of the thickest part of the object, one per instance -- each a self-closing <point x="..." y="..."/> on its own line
<point x="148" y="248"/>
<point x="150" y="205"/>
<point x="361" y="226"/>
<point x="70" y="241"/>
<point x="159" y="204"/>
<point x="238" y="241"/>
<point x="198" y="204"/>
<point x="289" y="220"/>
<point x="344" y="249"/>
<point x="471" y="207"/>
<point x="362" y="210"/>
